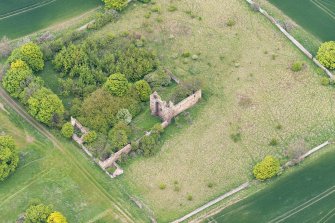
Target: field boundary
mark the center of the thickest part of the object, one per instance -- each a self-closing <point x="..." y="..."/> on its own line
<point x="216" y="200"/>
<point x="26" y="9"/>
<point x="292" y="39"/>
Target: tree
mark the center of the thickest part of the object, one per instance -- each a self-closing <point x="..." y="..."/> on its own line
<point x="46" y="107"/>
<point x="56" y="217"/>
<point x="17" y="78"/>
<point x="143" y="90"/>
<point x="117" y="84"/>
<point x="90" y="137"/>
<point x="326" y="54"/>
<point x="148" y="145"/>
<point x="69" y="58"/>
<point x="267" y="168"/>
<point x="119" y="138"/>
<point x="67" y="130"/>
<point x="9" y="158"/>
<point x="38" y="213"/>
<point x="29" y="53"/>
<point x="124" y="115"/>
<point x="117" y="5"/>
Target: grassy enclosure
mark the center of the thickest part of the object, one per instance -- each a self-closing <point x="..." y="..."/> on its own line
<point x="83" y="194"/>
<point x="22" y="17"/>
<point x="254" y="103"/>
<point x="316" y="16"/>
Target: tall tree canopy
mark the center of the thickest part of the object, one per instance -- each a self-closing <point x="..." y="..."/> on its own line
<point x="8" y="156"/>
<point x="29" y="53"/>
<point x="46" y="107"/>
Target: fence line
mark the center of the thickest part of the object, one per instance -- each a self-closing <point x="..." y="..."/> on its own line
<point x="228" y="194"/>
<point x="293" y="40"/>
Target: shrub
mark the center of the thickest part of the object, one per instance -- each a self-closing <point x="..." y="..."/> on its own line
<point x="9" y="158"/>
<point x="90" y="137"/>
<point x="143" y="90"/>
<point x="117" y="84"/>
<point x="267" y="168"/>
<point x="56" y="217"/>
<point x="236" y="137"/>
<point x="230" y="22"/>
<point x="273" y="142"/>
<point x="37" y="213"/>
<point x="326" y="54"/>
<point x="172" y="8"/>
<point x="297" y="66"/>
<point x="189" y="197"/>
<point x="29" y="53"/>
<point x="117" y="5"/>
<point x="157" y="79"/>
<point x="162" y="186"/>
<point x="124" y="115"/>
<point x="67" y="130"/>
<point x="102" y="19"/>
<point x="325" y="81"/>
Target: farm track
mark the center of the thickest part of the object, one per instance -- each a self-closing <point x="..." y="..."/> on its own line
<point x="26" y="9"/>
<point x="72" y="160"/>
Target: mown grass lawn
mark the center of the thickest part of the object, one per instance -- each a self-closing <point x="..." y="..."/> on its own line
<point x="46" y="174"/>
<point x="22" y="17"/>
<point x="249" y="90"/>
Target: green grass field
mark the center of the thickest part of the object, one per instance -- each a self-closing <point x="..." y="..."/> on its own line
<point x="316" y="16"/>
<point x="81" y="191"/>
<point x="304" y="195"/>
<point x="249" y="89"/>
<point x="22" y="17"/>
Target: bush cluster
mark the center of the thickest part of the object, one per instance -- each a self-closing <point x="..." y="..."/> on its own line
<point x="41" y="213"/>
<point x="326" y="54"/>
<point x="267" y="168"/>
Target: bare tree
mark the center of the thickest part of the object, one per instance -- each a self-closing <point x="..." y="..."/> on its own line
<point x="5" y="47"/>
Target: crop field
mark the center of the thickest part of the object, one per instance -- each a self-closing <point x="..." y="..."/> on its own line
<point x="304" y="195"/>
<point x="253" y="105"/>
<point x="22" y="17"/>
<point x="316" y="16"/>
<point x="83" y="194"/>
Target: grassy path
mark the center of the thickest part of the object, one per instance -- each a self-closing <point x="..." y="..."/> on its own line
<point x="67" y="155"/>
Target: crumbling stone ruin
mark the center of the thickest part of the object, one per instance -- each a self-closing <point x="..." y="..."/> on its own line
<point x="167" y="110"/>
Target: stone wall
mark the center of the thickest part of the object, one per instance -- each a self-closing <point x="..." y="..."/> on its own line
<point x="167" y="110"/>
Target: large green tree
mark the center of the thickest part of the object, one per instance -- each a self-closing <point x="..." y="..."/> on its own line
<point x="326" y="54"/>
<point x="143" y="90"/>
<point x="29" y="53"/>
<point x="17" y="78"/>
<point x="46" y="107"/>
<point x="99" y="110"/>
<point x="117" y="84"/>
<point x="37" y="213"/>
<point x="8" y="156"/>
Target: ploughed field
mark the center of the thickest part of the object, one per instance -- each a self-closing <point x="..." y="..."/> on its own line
<point x="305" y="195"/>
<point x="316" y="16"/>
<point x="22" y="17"/>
